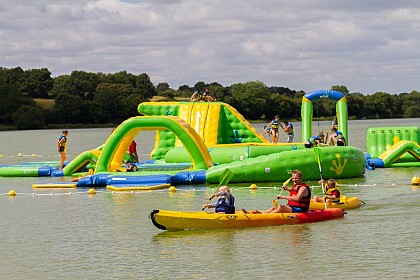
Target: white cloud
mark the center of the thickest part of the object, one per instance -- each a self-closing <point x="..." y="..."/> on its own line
<point x="367" y="46"/>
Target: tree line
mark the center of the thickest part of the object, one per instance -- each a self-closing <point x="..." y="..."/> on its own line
<point x="92" y="99"/>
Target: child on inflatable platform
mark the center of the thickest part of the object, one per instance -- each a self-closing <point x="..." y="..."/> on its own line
<point x="314" y="141"/>
<point x="130" y="166"/>
<point x="337" y="138"/>
<point x="274" y="126"/>
<point x="225" y="201"/>
<point x="267" y="130"/>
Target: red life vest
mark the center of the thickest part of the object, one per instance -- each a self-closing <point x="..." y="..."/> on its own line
<point x="304" y="201"/>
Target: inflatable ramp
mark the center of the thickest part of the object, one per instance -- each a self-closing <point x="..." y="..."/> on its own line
<point x="393" y="146"/>
<point x="215" y="122"/>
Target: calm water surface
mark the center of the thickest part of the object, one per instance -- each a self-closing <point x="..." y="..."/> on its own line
<point x="51" y="234"/>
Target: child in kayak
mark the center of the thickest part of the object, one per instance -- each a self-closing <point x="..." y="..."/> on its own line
<point x="225" y="201"/>
<point x="331" y="193"/>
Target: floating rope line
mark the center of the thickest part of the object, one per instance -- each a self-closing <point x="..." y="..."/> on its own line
<point x="171" y="189"/>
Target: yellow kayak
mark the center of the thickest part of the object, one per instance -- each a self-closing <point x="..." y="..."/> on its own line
<point x="345" y="203"/>
<point x="173" y="220"/>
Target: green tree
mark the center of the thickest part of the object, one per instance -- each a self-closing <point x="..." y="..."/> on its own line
<point x="120" y="89"/>
<point x="381" y="104"/>
<point x="282" y="105"/>
<point x="60" y="85"/>
<point x="108" y="103"/>
<point x="282" y="91"/>
<point x="356" y="105"/>
<point x="342" y="89"/>
<point x="162" y="87"/>
<point x="250" y="99"/>
<point x="218" y="91"/>
<point x="68" y="108"/>
<point x="14" y="77"/>
<point x="411" y="105"/>
<point x="83" y="84"/>
<point x="38" y="82"/>
<point x="144" y="87"/>
<point x="169" y="94"/>
<point x="184" y="91"/>
<point x="11" y="100"/>
<point x="200" y="86"/>
<point x="121" y="77"/>
<point x="29" y="117"/>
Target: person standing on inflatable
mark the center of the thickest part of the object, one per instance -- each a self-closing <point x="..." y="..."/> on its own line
<point x="274" y="124"/>
<point x="61" y="147"/>
<point x="288" y="129"/>
<point x="132" y="151"/>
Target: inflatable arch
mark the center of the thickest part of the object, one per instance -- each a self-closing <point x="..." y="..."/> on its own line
<point x="307" y="111"/>
<point x="117" y="144"/>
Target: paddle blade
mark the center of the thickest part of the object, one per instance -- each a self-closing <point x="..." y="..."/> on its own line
<point x="225" y="177"/>
<point x="275" y="203"/>
<point x="287" y="181"/>
<point x="223" y="180"/>
<point x="317" y="152"/>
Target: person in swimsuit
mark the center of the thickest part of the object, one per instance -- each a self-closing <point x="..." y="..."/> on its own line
<point x="61" y="147"/>
<point x="274" y="125"/>
<point x="288" y="129"/>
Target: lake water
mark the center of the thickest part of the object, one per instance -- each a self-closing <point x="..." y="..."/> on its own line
<point x="53" y="234"/>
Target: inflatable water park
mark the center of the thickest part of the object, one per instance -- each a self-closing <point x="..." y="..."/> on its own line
<point x="197" y="141"/>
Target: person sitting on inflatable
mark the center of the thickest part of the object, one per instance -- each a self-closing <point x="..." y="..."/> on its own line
<point x="207" y="96"/>
<point x="332" y="194"/>
<point x="337" y="138"/>
<point x="225" y="201"/>
<point x="314" y="141"/>
<point x="197" y="96"/>
<point x="130" y="166"/>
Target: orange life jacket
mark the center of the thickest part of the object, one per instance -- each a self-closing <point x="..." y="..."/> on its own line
<point x="304" y="201"/>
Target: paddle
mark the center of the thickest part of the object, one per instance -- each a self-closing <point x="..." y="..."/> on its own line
<point x="224" y="179"/>
<point x="276" y="201"/>
<point x="318" y="159"/>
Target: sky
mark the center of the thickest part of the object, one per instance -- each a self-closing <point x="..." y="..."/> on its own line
<point x="367" y="46"/>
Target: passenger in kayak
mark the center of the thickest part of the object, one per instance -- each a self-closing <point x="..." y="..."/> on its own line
<point x="299" y="198"/>
<point x="332" y="194"/>
<point x="225" y="201"/>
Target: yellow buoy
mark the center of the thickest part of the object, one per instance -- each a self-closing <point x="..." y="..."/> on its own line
<point x="415" y="182"/>
<point x="34" y="155"/>
<point x="253" y="187"/>
<point x="12" y="193"/>
<point x="20" y="154"/>
<point x="172" y="189"/>
<point x="91" y="191"/>
<point x="1" y="155"/>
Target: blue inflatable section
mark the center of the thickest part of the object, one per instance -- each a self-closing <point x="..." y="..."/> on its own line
<point x="102" y="180"/>
<point x="324" y="94"/>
